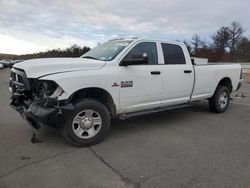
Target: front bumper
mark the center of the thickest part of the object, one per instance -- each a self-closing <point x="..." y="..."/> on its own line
<point x="50" y="112"/>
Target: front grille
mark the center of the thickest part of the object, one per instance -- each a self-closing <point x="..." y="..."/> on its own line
<point x="18" y="82"/>
<point x="15" y="77"/>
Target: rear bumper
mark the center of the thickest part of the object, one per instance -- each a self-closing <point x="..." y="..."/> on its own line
<point x="239" y="84"/>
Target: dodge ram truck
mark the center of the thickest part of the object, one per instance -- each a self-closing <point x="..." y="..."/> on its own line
<point x="120" y="78"/>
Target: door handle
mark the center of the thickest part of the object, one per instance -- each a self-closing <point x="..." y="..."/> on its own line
<point x="187" y="71"/>
<point x="155" y="72"/>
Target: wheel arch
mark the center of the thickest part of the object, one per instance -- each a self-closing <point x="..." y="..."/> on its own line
<point x="227" y="82"/>
<point x="96" y="93"/>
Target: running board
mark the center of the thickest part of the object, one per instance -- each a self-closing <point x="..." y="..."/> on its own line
<point x="155" y="110"/>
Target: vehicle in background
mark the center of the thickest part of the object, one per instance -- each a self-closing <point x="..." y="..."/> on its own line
<point x="1" y="66"/>
<point x="11" y="63"/>
<point x="5" y="62"/>
<point x="120" y="78"/>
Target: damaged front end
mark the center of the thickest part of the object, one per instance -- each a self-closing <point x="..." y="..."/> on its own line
<point x="37" y="100"/>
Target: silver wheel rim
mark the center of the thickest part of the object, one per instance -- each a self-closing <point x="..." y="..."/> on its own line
<point x="86" y="124"/>
<point x="223" y="100"/>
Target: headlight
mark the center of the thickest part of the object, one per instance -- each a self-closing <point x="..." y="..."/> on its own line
<point x="46" y="88"/>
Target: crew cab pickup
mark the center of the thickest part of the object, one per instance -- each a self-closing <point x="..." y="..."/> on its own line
<point x="120" y="78"/>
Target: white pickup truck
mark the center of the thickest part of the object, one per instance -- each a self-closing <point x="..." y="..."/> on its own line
<point x="119" y="78"/>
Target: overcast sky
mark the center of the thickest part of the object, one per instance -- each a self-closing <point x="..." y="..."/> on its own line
<point x="31" y="25"/>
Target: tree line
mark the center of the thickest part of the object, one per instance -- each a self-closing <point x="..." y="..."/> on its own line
<point x="72" y="51"/>
<point x="227" y="44"/>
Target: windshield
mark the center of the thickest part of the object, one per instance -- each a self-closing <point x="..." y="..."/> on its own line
<point x="107" y="51"/>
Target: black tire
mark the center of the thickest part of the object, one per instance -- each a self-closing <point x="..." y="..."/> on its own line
<point x="68" y="129"/>
<point x="215" y="104"/>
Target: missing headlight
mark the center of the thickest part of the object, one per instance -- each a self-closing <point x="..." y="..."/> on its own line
<point x="58" y="92"/>
<point x="46" y="88"/>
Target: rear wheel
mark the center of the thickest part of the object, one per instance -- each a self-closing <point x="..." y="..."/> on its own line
<point x="88" y="124"/>
<point x="220" y="100"/>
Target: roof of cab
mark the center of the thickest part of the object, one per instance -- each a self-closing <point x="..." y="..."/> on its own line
<point x="135" y="39"/>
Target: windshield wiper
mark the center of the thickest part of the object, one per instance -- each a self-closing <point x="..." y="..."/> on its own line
<point x="89" y="57"/>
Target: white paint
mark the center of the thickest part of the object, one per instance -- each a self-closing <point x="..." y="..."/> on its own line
<point x="171" y="87"/>
<point x="245" y="66"/>
<point x="44" y="66"/>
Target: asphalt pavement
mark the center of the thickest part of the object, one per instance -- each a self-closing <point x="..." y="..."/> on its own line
<point x="184" y="148"/>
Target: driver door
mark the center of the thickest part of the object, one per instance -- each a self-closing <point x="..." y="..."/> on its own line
<point x="141" y="84"/>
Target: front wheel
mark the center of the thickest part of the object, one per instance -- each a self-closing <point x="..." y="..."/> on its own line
<point x="220" y="100"/>
<point x="88" y="124"/>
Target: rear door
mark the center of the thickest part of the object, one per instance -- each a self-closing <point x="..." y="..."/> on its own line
<point x="178" y="75"/>
<point x="141" y="84"/>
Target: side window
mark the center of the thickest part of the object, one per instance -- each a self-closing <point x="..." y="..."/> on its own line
<point x="145" y="47"/>
<point x="173" y="54"/>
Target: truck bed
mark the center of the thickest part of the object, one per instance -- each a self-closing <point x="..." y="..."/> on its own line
<point x="207" y="76"/>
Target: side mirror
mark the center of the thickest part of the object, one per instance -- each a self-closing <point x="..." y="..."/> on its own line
<point x="136" y="59"/>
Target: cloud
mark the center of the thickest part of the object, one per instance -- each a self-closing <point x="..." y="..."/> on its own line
<point x="58" y="23"/>
<point x="16" y="46"/>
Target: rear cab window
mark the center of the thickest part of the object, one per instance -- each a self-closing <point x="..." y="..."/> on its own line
<point x="173" y="54"/>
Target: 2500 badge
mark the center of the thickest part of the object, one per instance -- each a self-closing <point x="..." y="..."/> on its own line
<point x="126" y="83"/>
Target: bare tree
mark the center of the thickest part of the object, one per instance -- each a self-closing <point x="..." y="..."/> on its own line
<point x="243" y="50"/>
<point x="235" y="31"/>
<point x="221" y="40"/>
<point x="197" y="43"/>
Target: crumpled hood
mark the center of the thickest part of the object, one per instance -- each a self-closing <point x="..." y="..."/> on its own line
<point x="35" y="68"/>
